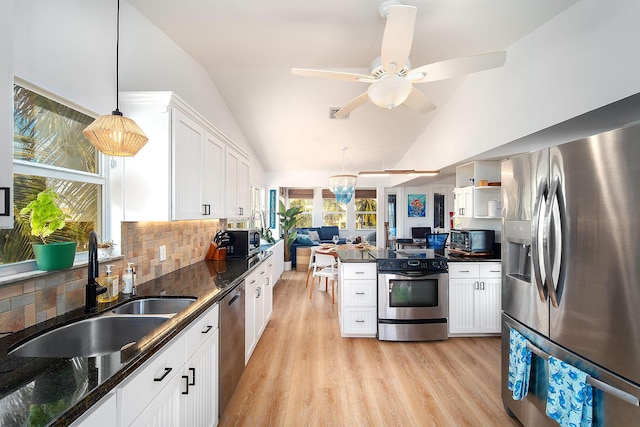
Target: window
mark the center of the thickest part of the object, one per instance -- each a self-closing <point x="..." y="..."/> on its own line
<point x="333" y="213"/>
<point x="303" y="198"/>
<point x="366" y="209"/>
<point x="50" y="151"/>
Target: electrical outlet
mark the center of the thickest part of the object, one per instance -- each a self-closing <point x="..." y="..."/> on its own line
<point x="163" y="253"/>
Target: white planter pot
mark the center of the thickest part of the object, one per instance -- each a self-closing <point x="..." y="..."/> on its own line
<point x="287" y="265"/>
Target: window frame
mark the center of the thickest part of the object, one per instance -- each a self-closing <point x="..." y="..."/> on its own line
<point x="24" y="167"/>
<point x="365" y="194"/>
<point x="328" y="195"/>
<point x="306" y="195"/>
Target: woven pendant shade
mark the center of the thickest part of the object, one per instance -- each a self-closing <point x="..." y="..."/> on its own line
<point x="115" y="135"/>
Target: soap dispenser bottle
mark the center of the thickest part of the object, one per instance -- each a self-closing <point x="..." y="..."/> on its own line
<point x="127" y="280"/>
<point x="109" y="281"/>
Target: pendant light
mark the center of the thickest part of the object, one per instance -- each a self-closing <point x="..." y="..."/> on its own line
<point x="115" y="134"/>
<point x="343" y="186"/>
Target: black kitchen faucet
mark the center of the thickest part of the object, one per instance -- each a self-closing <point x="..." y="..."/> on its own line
<point x="92" y="288"/>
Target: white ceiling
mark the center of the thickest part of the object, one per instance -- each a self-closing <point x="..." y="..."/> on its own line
<point x="249" y="46"/>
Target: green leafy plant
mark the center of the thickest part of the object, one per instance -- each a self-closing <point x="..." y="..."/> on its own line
<point x="288" y="220"/>
<point x="45" y="215"/>
<point x="265" y="232"/>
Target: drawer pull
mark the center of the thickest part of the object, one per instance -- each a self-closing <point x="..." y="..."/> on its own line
<point x="464" y="271"/>
<point x="193" y="376"/>
<point x="166" y="372"/>
<point x="359" y="272"/>
<point x="359" y="321"/>
<point x="359" y="293"/>
<point x="494" y="271"/>
<point x="186" y="383"/>
<point x="207" y="329"/>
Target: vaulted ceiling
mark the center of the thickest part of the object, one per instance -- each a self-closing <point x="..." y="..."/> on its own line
<point x="249" y="46"/>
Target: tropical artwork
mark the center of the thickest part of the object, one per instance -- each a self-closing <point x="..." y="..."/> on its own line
<point x="417" y="205"/>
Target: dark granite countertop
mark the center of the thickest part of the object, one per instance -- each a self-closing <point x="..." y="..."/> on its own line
<point x="55" y="391"/>
<point x="371" y="255"/>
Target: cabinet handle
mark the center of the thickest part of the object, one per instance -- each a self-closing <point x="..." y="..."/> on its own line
<point x="166" y="372"/>
<point x="186" y="383"/>
<point x="207" y="329"/>
<point x="359" y="293"/>
<point x="359" y="321"/>
<point x="258" y="292"/>
<point x="206" y="209"/>
<point x="262" y="272"/>
<point x="252" y="282"/>
<point x="193" y="376"/>
<point x="477" y="285"/>
<point x="494" y="271"/>
<point x="464" y="271"/>
<point x="359" y="272"/>
<point x="482" y="286"/>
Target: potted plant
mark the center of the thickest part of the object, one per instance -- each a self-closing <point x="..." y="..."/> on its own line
<point x="288" y="220"/>
<point x="265" y="231"/>
<point x="45" y="218"/>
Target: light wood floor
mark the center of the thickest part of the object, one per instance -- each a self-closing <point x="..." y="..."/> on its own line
<point x="302" y="373"/>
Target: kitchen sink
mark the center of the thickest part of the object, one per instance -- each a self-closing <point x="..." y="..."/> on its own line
<point x="90" y="337"/>
<point x="154" y="306"/>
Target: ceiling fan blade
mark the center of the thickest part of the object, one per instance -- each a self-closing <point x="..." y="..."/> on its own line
<point x="398" y="37"/>
<point x="418" y="101"/>
<point x="456" y="67"/>
<point x="336" y="75"/>
<point x="352" y="105"/>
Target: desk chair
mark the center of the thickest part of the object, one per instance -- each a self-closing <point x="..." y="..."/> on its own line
<point x="326" y="266"/>
<point x="436" y="240"/>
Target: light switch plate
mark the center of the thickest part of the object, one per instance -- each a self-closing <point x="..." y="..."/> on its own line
<point x="163" y="253"/>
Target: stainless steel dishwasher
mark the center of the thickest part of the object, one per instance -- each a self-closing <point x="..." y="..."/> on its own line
<point x="231" y="344"/>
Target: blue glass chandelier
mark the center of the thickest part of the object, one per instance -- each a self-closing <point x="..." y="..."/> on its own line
<point x="343" y="186"/>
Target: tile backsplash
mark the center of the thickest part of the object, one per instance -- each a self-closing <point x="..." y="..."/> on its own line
<point x="27" y="302"/>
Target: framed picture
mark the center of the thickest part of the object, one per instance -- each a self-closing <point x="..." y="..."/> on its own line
<point x="417" y="205"/>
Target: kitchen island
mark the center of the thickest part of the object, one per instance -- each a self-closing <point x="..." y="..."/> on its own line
<point x="56" y="391"/>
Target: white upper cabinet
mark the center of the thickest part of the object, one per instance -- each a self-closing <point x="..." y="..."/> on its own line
<point x="6" y="116"/>
<point x="472" y="199"/>
<point x="237" y="185"/>
<point x="183" y="172"/>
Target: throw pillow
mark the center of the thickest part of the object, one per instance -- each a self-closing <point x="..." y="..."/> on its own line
<point x="313" y="235"/>
<point x="303" y="239"/>
<point x="302" y="231"/>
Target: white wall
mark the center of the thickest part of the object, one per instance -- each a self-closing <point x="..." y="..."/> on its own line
<point x="580" y="60"/>
<point x="68" y="47"/>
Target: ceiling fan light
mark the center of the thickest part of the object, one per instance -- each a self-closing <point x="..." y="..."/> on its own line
<point x="389" y="92"/>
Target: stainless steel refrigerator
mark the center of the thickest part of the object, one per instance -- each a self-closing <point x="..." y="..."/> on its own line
<point x="571" y="270"/>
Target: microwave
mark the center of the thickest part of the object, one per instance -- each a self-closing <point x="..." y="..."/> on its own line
<point x="243" y="243"/>
<point x="473" y="240"/>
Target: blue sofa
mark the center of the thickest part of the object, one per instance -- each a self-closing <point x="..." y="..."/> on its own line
<point x="305" y="238"/>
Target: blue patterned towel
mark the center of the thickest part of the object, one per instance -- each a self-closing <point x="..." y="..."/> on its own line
<point x="519" y="365"/>
<point x="570" y="397"/>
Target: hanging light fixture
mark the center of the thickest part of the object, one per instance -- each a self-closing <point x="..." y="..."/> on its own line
<point x="343" y="186"/>
<point x="115" y="134"/>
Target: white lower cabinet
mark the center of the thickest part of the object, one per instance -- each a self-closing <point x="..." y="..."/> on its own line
<point x="357" y="300"/>
<point x="258" y="305"/>
<point x="179" y="386"/>
<point x="474" y="298"/>
<point x="199" y="386"/>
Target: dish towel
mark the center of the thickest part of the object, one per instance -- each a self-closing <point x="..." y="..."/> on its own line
<point x="519" y="365"/>
<point x="570" y="397"/>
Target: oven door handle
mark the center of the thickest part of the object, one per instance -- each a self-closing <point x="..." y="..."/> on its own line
<point x="411" y="273"/>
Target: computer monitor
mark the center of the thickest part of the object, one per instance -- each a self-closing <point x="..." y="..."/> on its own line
<point x="436" y="240"/>
<point x="418" y="233"/>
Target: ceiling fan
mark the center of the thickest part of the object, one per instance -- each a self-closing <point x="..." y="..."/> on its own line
<point x="391" y="75"/>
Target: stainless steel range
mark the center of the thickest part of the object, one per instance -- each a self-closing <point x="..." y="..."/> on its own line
<point x="412" y="296"/>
